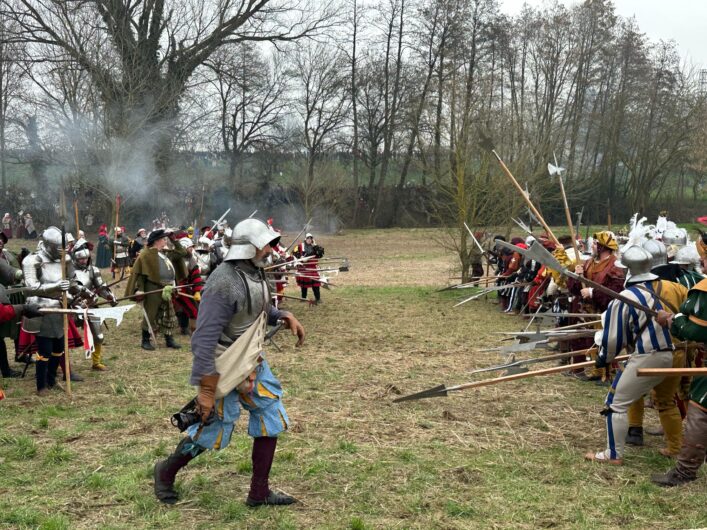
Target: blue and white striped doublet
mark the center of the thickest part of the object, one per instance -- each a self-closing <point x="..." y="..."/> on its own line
<point x="633" y="329"/>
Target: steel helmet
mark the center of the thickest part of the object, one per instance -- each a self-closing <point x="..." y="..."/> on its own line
<point x="658" y="252"/>
<point x="51" y="242"/>
<point x="639" y="263"/>
<point x="687" y="255"/>
<point x="675" y="236"/>
<point x="248" y="236"/>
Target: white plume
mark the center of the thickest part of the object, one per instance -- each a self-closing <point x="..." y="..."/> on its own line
<point x="638" y="232"/>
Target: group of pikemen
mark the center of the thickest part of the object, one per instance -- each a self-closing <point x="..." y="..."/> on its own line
<point x="654" y="310"/>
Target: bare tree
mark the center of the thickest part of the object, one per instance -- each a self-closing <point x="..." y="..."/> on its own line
<point x="142" y="53"/>
<point x="251" y="94"/>
<point x="321" y="101"/>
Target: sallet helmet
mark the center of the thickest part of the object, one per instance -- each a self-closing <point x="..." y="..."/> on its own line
<point x="51" y="241"/>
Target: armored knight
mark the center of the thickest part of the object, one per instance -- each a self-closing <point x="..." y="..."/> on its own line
<point x="121" y="244"/>
<point x="229" y="365"/>
<point x="43" y="276"/>
<point x="90" y="277"/>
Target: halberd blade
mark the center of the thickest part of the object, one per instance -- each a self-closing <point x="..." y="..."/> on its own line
<point x="437" y="391"/>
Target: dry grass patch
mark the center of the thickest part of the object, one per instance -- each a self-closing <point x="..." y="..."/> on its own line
<point x="506" y="456"/>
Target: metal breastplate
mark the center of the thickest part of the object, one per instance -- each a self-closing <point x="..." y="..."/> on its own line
<point x="167" y="274"/>
<point x="50" y="272"/>
<point x="84" y="277"/>
<point x="204" y="263"/>
<point x="259" y="302"/>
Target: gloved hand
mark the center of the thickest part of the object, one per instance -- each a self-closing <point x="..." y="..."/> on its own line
<point x="207" y="395"/>
<point x="167" y="293"/>
<point x="19" y="275"/>
<point x="28" y="310"/>
<point x="63" y="285"/>
<point x="139" y="296"/>
<point x="112" y="299"/>
<point x="197" y="296"/>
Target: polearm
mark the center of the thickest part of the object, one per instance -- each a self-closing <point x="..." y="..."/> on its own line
<point x="535" y="360"/>
<point x="220" y="219"/>
<point x="132" y="296"/>
<point x="667" y="372"/>
<point x="76" y="213"/>
<point x="64" y="296"/>
<point x="557" y="170"/>
<point x="197" y="229"/>
<point x="294" y="241"/>
<point x="486" y="143"/>
<point x="442" y="390"/>
<point x="537" y="252"/>
<point x="487" y="290"/>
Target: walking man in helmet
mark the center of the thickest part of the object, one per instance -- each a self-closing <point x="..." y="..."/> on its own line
<point x="229" y="365"/>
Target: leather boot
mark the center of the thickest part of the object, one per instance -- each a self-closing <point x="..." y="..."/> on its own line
<point x="146" y="344"/>
<point x="96" y="359"/>
<point x="671" y="478"/>
<point x="169" y="341"/>
<point x="41" y="375"/>
<point x="5" y="369"/>
<point x="635" y="436"/>
<point x="52" y="367"/>
<point x="165" y="471"/>
<point x="260" y="493"/>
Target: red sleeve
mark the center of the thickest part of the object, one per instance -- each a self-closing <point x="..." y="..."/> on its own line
<point x="7" y="312"/>
<point x="614" y="281"/>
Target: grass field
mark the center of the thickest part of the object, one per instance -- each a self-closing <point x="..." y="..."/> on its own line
<point x="505" y="456"/>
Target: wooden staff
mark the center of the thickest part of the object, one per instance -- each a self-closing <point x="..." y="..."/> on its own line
<point x="64" y="297"/>
<point x="133" y="296"/>
<point x="441" y="390"/>
<point x="567" y="215"/>
<point x="667" y="372"/>
<point x="487" y="144"/>
<point x="197" y="229"/>
<point x="76" y="214"/>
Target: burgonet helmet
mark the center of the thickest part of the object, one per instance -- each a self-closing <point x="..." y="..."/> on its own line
<point x="639" y="262"/>
<point x="81" y="250"/>
<point x="687" y="255"/>
<point x="248" y="236"/>
<point x="658" y="252"/>
<point x="675" y="236"/>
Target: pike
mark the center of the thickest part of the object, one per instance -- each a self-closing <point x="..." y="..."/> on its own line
<point x="486" y="143"/>
<point x="541" y="343"/>
<point x="294" y="241"/>
<point x="220" y="219"/>
<point x="667" y="372"/>
<point x="550" y="314"/>
<point x="518" y="367"/>
<point x="490" y="290"/>
<point x="557" y="170"/>
<point x="522" y="226"/>
<point x="132" y="296"/>
<point x="64" y="296"/>
<point x="540" y="254"/>
<point x="580" y="214"/>
<point x="443" y="391"/>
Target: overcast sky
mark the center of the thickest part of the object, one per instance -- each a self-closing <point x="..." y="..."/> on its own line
<point x="684" y="21"/>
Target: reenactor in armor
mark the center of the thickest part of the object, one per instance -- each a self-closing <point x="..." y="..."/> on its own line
<point x="235" y="307"/>
<point x="43" y="276"/>
<point x="89" y="277"/>
<point x="308" y="272"/>
<point x="121" y="244"/>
